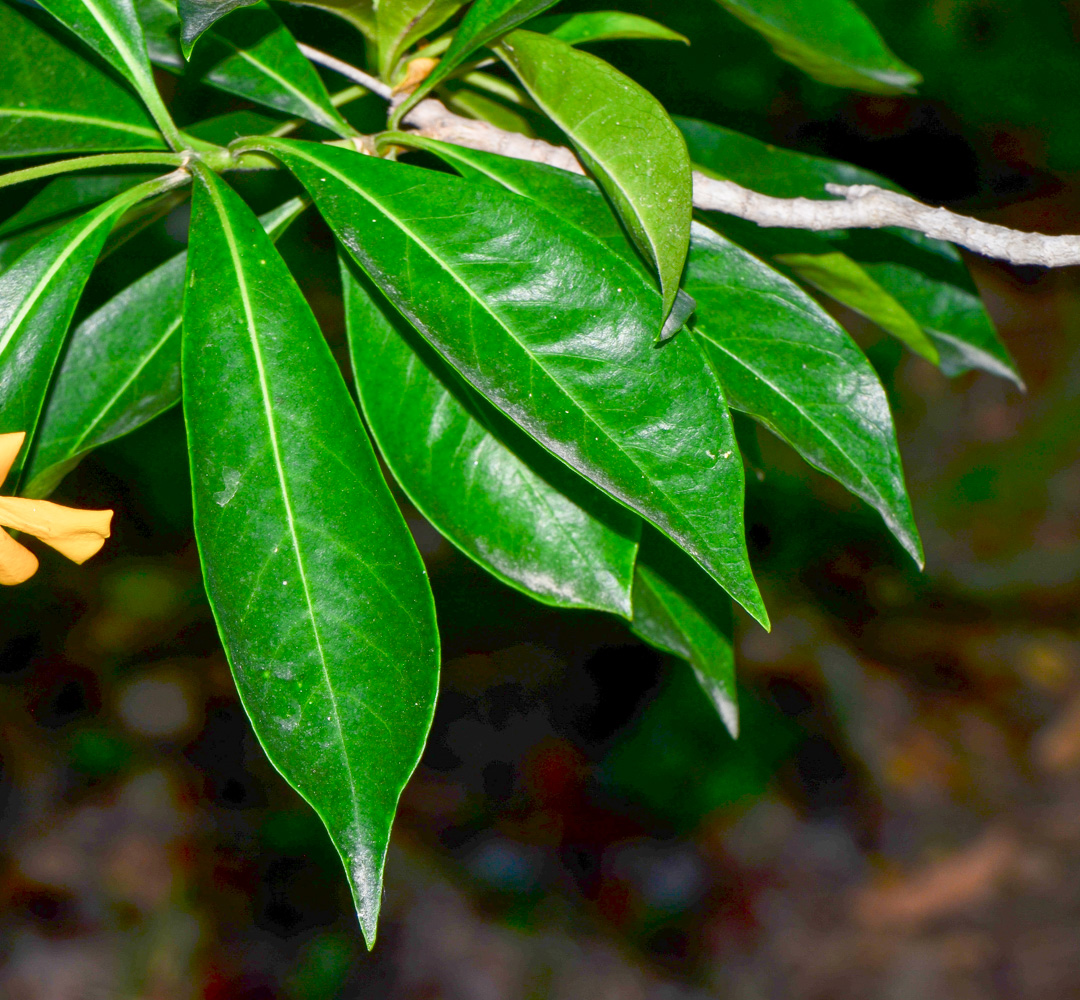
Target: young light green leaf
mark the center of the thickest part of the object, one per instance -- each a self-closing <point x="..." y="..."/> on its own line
<point x="784" y="361"/>
<point x="38" y="295"/>
<point x="829" y="40"/>
<point x="838" y="276"/>
<point x="955" y="319"/>
<point x="602" y="26"/>
<point x="120" y="368"/>
<point x="65" y="195"/>
<point x="484" y="21"/>
<point x="198" y="15"/>
<point x="488" y="488"/>
<point x="399" y="24"/>
<point x="624" y="137"/>
<point x="964" y="335"/>
<point x="252" y="55"/>
<point x="678" y="609"/>
<point x="111" y="28"/>
<point x="319" y="593"/>
<point x="480" y="273"/>
<point x="52" y="101"/>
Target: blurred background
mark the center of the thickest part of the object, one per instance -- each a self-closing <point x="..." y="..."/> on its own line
<point x="901" y="817"/>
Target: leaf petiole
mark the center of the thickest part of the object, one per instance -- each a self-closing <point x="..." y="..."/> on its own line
<point x="90" y="163"/>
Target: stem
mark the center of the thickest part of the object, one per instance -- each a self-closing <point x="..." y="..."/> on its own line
<point x="346" y="70"/>
<point x="156" y="106"/>
<point x="89" y="163"/>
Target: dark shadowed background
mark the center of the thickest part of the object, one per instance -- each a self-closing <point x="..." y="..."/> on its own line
<point x="901" y="818"/>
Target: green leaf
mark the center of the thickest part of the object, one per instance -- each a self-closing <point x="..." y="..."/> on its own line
<point x="955" y="319"/>
<point x="120" y="368"/>
<point x="399" y="24"/>
<point x="602" y="26"/>
<point x="64" y="195"/>
<point x="198" y="15"/>
<point x="359" y="13"/>
<point x="963" y="333"/>
<point x="484" y="21"/>
<point x="784" y="361"/>
<point x="837" y="275"/>
<point x="678" y="609"/>
<point x="52" y="101"/>
<point x="623" y="136"/>
<point x="226" y="128"/>
<point x="480" y="273"/>
<point x="38" y="295"/>
<point x="111" y="28"/>
<point x="319" y="593"/>
<point x="252" y="55"/>
<point x="481" y="107"/>
<point x="829" y="40"/>
<point x="487" y="487"/>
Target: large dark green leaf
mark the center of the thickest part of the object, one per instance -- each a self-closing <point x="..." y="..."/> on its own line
<point x="485" y="21"/>
<point x="554" y="329"/>
<point x="963" y="333"/>
<point x="399" y="24"/>
<point x="252" y="55"/>
<point x="120" y="368"/>
<point x="198" y="15"/>
<point x="65" y="195"/>
<point x="318" y="590"/>
<point x="485" y="485"/>
<point x="678" y="609"/>
<point x="784" y="361"/>
<point x="112" y="29"/>
<point x="624" y="137"/>
<point x="829" y="40"/>
<point x="38" y="295"/>
<point x="52" y="101"/>
<point x="602" y="26"/>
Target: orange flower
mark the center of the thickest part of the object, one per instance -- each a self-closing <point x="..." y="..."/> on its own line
<point x="77" y="534"/>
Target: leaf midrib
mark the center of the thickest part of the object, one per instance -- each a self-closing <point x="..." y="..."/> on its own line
<point x="80" y="120"/>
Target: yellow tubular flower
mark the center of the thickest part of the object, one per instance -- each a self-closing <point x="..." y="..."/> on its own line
<point x="77" y="534"/>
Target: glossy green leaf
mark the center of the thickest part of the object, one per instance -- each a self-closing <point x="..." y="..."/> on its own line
<point x="120" y="368"/>
<point x="198" y="15"/>
<point x="678" y="609"/>
<point x="481" y="272"/>
<point x="400" y="24"/>
<point x="65" y="195"/>
<point x="359" y="13"/>
<point x="471" y="104"/>
<point x="226" y="128"/>
<point x="52" y="101"/>
<point x="829" y="40"/>
<point x="837" y="275"/>
<point x="963" y="334"/>
<point x="623" y="136"/>
<point x="955" y="319"/>
<point x="319" y="593"/>
<point x="784" y="361"/>
<point x="252" y="55"/>
<point x="485" y="21"/>
<point x="602" y="26"/>
<point x="111" y="28"/>
<point x="38" y="295"/>
<point x="487" y="487"/>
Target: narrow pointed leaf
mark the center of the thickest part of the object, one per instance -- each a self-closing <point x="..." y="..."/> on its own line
<point x="65" y="195"/>
<point x="319" y="593"/>
<point x="623" y="136"/>
<point x="38" y="295"/>
<point x="784" y="361"/>
<point x="485" y="21"/>
<point x="487" y="487"/>
<point x="198" y="15"/>
<point x="838" y="276"/>
<point x="829" y="40"/>
<point x="963" y="332"/>
<point x="53" y="101"/>
<point x="602" y="26"/>
<point x="481" y="273"/>
<point x="252" y="55"/>
<point x="120" y="368"/>
<point x="678" y="609"/>
<point x="399" y="24"/>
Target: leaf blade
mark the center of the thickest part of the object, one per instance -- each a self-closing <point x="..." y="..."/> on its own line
<point x="318" y="623"/>
<point x="603" y="26"/>
<point x="401" y="23"/>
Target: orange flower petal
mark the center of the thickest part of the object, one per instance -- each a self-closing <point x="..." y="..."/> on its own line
<point x="77" y="534"/>
<point x="17" y="563"/>
<point x="9" y="449"/>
